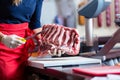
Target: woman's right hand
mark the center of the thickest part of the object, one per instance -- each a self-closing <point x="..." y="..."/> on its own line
<point x="12" y="41"/>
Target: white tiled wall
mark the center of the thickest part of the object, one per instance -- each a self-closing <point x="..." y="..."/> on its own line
<point x="49" y="12"/>
<point x="104" y="30"/>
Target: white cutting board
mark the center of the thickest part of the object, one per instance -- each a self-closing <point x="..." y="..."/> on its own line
<point x="62" y="61"/>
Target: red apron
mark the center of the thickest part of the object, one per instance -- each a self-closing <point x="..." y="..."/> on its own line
<point x="14" y="61"/>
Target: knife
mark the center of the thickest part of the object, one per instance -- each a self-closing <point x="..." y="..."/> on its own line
<point x="30" y="37"/>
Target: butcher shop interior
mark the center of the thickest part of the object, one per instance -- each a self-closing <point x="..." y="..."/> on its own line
<point x="79" y="40"/>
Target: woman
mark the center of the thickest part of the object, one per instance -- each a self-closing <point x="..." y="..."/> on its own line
<point x="15" y="17"/>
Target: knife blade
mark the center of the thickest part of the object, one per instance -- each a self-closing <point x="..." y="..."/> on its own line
<point x="30" y="37"/>
<point x="33" y="36"/>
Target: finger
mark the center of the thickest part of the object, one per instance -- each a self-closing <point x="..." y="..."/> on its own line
<point x="18" y="45"/>
<point x="63" y="52"/>
<point x="49" y="52"/>
<point x="59" y="53"/>
<point x="15" y="45"/>
<point x="11" y="44"/>
<point x="55" y="52"/>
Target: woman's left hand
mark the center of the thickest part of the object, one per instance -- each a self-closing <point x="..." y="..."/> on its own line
<point x="38" y="37"/>
<point x="36" y="31"/>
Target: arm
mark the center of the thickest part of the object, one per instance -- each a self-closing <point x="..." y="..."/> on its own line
<point x="35" y="19"/>
<point x="35" y="24"/>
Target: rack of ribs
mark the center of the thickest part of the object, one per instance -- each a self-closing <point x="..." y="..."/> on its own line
<point x="56" y="38"/>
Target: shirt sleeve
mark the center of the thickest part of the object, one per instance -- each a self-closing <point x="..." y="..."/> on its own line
<point x="35" y="19"/>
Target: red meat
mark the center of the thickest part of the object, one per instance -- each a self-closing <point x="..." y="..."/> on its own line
<point x="60" y="38"/>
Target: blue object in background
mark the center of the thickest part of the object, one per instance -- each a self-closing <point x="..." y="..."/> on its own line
<point x="59" y="20"/>
<point x="93" y="8"/>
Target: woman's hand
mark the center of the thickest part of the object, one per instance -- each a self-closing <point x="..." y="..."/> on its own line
<point x="38" y="37"/>
<point x="36" y="31"/>
<point x="12" y="41"/>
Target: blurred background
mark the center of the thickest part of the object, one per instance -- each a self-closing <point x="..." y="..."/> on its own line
<point x="65" y="12"/>
<point x="50" y="12"/>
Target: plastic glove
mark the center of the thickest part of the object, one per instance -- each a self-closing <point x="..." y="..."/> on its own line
<point x="12" y="41"/>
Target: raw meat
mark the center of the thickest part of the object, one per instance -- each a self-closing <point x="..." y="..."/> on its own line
<point x="58" y="37"/>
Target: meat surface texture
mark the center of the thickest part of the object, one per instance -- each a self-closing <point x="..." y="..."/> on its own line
<point x="56" y="38"/>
